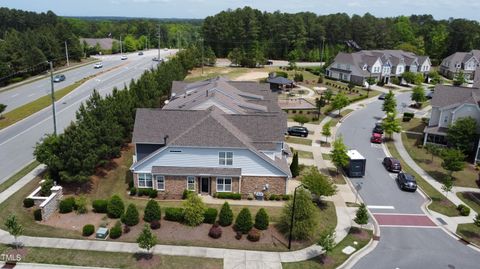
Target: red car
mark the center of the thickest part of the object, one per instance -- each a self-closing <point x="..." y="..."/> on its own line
<point x="376" y="138"/>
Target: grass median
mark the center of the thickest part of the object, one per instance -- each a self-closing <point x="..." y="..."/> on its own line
<point x="25" y="170"/>
<point x="31" y="108"/>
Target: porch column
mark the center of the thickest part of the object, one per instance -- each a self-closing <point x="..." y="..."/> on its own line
<point x="425" y="139"/>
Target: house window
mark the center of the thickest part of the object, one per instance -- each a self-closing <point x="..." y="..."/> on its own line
<point x="348" y="67"/>
<point x="445" y="120"/>
<point x="160" y="182"/>
<point x="191" y="183"/>
<point x="224" y="184"/>
<point x="225" y="158"/>
<point x="145" y="180"/>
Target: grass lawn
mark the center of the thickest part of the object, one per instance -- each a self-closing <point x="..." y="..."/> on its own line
<point x="27" y="169"/>
<point x="298" y="140"/>
<point x="336" y="119"/>
<point x="213" y="71"/>
<point x="304" y="154"/>
<point x="109" y="259"/>
<point x="336" y="257"/>
<point x="414" y="125"/>
<point x="464" y="178"/>
<point x="439" y="203"/>
<point x="327" y="156"/>
<point x="471" y="199"/>
<point x="26" y="110"/>
<point x="469" y="232"/>
<point x="337" y="178"/>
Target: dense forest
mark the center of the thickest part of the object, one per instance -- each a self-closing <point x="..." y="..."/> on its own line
<point x="300" y="36"/>
<point x="29" y="39"/>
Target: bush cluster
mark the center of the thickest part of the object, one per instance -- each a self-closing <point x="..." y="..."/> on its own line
<point x="88" y="230"/>
<point x="186" y="193"/>
<point x="28" y="202"/>
<point x="37" y="214"/>
<point x="67" y="205"/>
<point x="116" y="231"/>
<point x="147" y="192"/>
<point x="215" y="231"/>
<point x="174" y="214"/>
<point x="133" y="191"/>
<point x="100" y="206"/>
<point x="228" y="195"/>
<point x="464" y="210"/>
<point x="210" y="215"/>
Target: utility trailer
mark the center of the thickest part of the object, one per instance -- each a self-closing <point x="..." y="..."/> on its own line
<point x="356" y="165"/>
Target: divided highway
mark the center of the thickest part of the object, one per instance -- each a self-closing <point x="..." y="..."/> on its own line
<point x="17" y="142"/>
<point x="409" y="239"/>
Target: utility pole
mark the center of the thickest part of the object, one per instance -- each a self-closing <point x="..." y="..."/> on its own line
<point x="159" y="42"/>
<point x="323" y="48"/>
<point x="201" y="41"/>
<point x="66" y="53"/>
<point x="121" y="50"/>
<point x="53" y="99"/>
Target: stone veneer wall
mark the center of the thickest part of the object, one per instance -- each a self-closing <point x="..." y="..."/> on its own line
<point x="48" y="205"/>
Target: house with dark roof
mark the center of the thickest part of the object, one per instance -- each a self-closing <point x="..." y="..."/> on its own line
<point x="379" y="64"/>
<point x="212" y="136"/>
<point x="450" y="103"/>
<point x="461" y="61"/>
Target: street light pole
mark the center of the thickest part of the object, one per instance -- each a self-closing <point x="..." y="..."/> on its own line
<point x="66" y="53"/>
<point x="53" y="99"/>
<point x="293" y="217"/>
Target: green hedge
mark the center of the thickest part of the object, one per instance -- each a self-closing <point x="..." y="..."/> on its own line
<point x="210" y="215"/>
<point x="228" y="195"/>
<point x="174" y="214"/>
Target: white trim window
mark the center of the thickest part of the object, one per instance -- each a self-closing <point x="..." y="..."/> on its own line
<point x="225" y="158"/>
<point x="160" y="183"/>
<point x="191" y="183"/>
<point x="145" y="180"/>
<point x="224" y="184"/>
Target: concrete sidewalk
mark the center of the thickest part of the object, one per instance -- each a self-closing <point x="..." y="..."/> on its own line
<point x="46" y="266"/>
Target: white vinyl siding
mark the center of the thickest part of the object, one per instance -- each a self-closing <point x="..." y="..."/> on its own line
<point x="145" y="180"/>
<point x="160" y="182"/>
<point x="225" y="158"/>
<point x="191" y="183"/>
<point x="224" y="184"/>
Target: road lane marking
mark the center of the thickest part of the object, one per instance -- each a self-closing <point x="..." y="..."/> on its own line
<point x="380" y="207"/>
<point x="409" y="226"/>
<point x="32" y="94"/>
<point x="15" y="95"/>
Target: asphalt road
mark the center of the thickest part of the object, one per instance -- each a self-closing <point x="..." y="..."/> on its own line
<point x="17" y="142"/>
<point x="399" y="247"/>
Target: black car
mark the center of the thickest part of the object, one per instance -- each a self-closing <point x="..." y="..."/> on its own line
<point x="59" y="78"/>
<point x="392" y="164"/>
<point x="378" y="129"/>
<point x="382" y="96"/>
<point x="297" y="131"/>
<point x="406" y="182"/>
<point x="429" y="95"/>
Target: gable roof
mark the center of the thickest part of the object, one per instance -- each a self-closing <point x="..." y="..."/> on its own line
<point x="451" y="96"/>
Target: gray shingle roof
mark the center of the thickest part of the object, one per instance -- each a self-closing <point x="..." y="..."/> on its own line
<point x="197" y="171"/>
<point x="456" y="59"/>
<point x="450" y="95"/>
<point x="279" y="80"/>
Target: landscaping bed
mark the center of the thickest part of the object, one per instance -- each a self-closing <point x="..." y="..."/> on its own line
<point x="470" y="232"/>
<point x="472" y="199"/>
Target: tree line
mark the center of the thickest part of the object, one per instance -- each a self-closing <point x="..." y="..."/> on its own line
<point x="104" y="124"/>
<point x="300" y="36"/>
<point x="28" y="40"/>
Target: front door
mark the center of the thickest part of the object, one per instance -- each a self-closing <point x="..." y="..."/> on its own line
<point x="204" y="184"/>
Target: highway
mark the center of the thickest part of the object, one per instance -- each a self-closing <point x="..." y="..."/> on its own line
<point x="17" y="142"/>
<point x="410" y="244"/>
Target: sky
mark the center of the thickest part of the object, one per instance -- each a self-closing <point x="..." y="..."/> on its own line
<point x="440" y="9"/>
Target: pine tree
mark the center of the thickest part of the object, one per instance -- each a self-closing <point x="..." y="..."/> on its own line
<point x="115" y="207"/>
<point x="131" y="216"/>
<point x="261" y="219"/>
<point x="294" y="167"/>
<point x="244" y="222"/>
<point x="305" y="218"/>
<point x="152" y="211"/>
<point x="390" y="103"/>
<point x="361" y="217"/>
<point x="225" y="218"/>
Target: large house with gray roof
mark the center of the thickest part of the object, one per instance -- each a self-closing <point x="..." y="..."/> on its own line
<point x="461" y="61"/>
<point x="450" y="103"/>
<point x="212" y="136"/>
<point x="382" y="65"/>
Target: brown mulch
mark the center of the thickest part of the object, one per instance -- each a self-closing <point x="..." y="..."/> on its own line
<point x="75" y="222"/>
<point x="146" y="260"/>
<point x="360" y="234"/>
<point x="326" y="261"/>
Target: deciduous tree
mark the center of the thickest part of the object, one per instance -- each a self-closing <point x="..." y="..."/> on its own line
<point x="339" y="153"/>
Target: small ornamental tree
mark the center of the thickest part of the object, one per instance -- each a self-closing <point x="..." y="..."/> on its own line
<point x="339" y="154"/>
<point x="459" y="79"/>
<point x="326" y="130"/>
<point x="294" y="167"/>
<point x="131" y="216"/>
<point x="305" y="217"/>
<point x="318" y="184"/>
<point x="261" y="219"/>
<point x="418" y="95"/>
<point x="193" y="214"/>
<point x="225" y="217"/>
<point x="361" y="217"/>
<point x="453" y="160"/>
<point x="152" y="211"/>
<point x="46" y="187"/>
<point x="327" y="240"/>
<point x="115" y="207"/>
<point x="146" y="240"/>
<point x="300" y="119"/>
<point x="339" y="102"/>
<point x="244" y="222"/>
<point x="14" y="227"/>
<point x="462" y="134"/>
<point x="328" y="95"/>
<point x="2" y="109"/>
<point x="390" y="103"/>
<point x="116" y="230"/>
<point x="391" y="125"/>
<point x="447" y="185"/>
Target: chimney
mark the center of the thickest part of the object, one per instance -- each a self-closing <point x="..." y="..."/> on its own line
<point x="165" y="139"/>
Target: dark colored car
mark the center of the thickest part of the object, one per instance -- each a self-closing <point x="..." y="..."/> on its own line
<point x="406" y="182"/>
<point x="297" y="131"/>
<point x="376" y="138"/>
<point x="378" y="129"/>
<point x="382" y="96"/>
<point x="392" y="164"/>
<point x="429" y="95"/>
<point x="140" y="53"/>
<point x="59" y="78"/>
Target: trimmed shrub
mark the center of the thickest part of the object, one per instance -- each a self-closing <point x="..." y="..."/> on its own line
<point x="244" y="222"/>
<point x="253" y="235"/>
<point x="261" y="219"/>
<point x="131" y="217"/>
<point x="28" y="202"/>
<point x="281" y="74"/>
<point x="186" y="193"/>
<point x="464" y="210"/>
<point x="100" y="206"/>
<point x="37" y="214"/>
<point x="67" y="205"/>
<point x="225" y="217"/>
<point x="215" y="232"/>
<point x="152" y="211"/>
<point x="286" y="197"/>
<point x="194" y="210"/>
<point x="238" y="235"/>
<point x="174" y="214"/>
<point x="155" y="224"/>
<point x="143" y="192"/>
<point x="116" y="231"/>
<point x="88" y="230"/>
<point x="46" y="188"/>
<point x="272" y="197"/>
<point x="153" y="193"/>
<point x="81" y="205"/>
<point x="115" y="207"/>
<point x="210" y="215"/>
<point x="408" y="115"/>
<point x="228" y="195"/>
<point x="126" y="229"/>
<point x="133" y="191"/>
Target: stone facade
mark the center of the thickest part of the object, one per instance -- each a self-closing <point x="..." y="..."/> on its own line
<point x="251" y="184"/>
<point x="48" y="205"/>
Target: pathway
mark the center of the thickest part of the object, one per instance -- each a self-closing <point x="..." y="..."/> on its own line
<point x="46" y="266"/>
